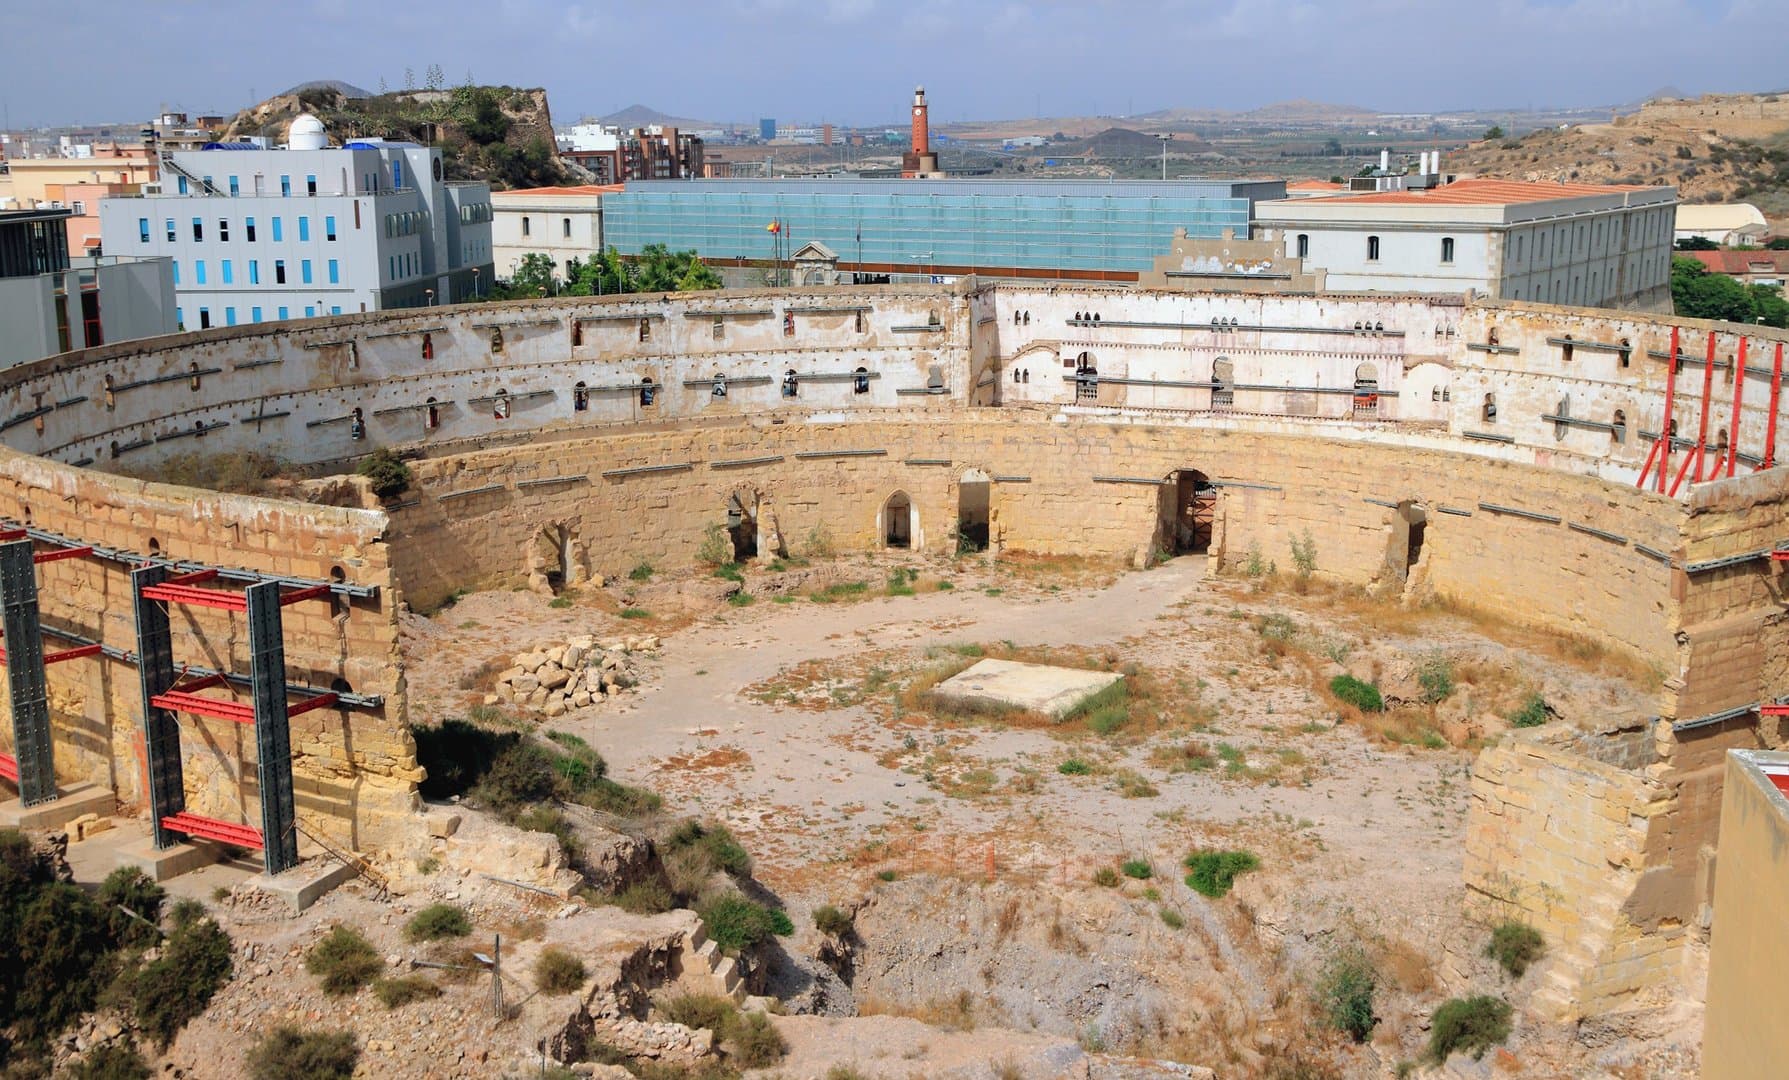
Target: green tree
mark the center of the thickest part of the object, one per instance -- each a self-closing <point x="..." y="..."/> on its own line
<point x="1780" y="243"/>
<point x="1698" y="294"/>
<point x="1495" y="131"/>
<point x="698" y="276"/>
<point x="533" y="274"/>
<point x="1697" y="243"/>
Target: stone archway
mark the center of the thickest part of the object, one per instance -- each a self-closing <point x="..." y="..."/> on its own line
<point x="556" y="559"/>
<point x="752" y="526"/>
<point x="899" y="521"/>
<point x="1186" y="512"/>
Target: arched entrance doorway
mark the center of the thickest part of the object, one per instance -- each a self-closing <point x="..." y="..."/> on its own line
<point x="897" y="521"/>
<point x="1187" y="510"/>
<point x="975" y="499"/>
<point x="553" y="560"/>
<point x="742" y="526"/>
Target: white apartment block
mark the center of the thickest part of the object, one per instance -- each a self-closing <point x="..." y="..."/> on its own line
<point x="563" y="223"/>
<point x="307" y="230"/>
<point x="1576" y="244"/>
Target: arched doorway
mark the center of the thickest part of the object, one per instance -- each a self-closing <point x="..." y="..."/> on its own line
<point x="897" y="521"/>
<point x="553" y="560"/>
<point x="742" y="526"/>
<point x="1409" y="529"/>
<point x="1366" y="390"/>
<point x="975" y="499"/>
<point x="1187" y="510"/>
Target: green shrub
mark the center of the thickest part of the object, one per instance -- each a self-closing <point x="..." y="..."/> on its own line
<point x="831" y="920"/>
<point x="730" y="572"/>
<point x="344" y="961"/>
<point x="714" y="840"/>
<point x="55" y="952"/>
<point x="112" y="1061"/>
<point x="520" y="776"/>
<point x="389" y="475"/>
<point x="1362" y="695"/>
<point x="735" y="923"/>
<point x="754" y="1042"/>
<point x="1468" y="1025"/>
<point x="289" y="1053"/>
<point x="129" y="887"/>
<point x="1171" y="918"/>
<point x="709" y="1011"/>
<point x="645" y="898"/>
<point x="1137" y="868"/>
<point x="1304" y="556"/>
<point x="887" y="875"/>
<point x="176" y="986"/>
<point x="716" y="548"/>
<point x="437" y="921"/>
<point x="1105" y="877"/>
<point x="641" y="572"/>
<point x="1435" y="674"/>
<point x="1074" y="767"/>
<point x="1515" y="945"/>
<point x="741" y="599"/>
<point x="456" y="755"/>
<point x="557" y="971"/>
<point x="1108" y="718"/>
<point x="635" y="613"/>
<point x="1213" y="872"/>
<point x="780" y="923"/>
<point x="1345" y="990"/>
<point x="1533" y="712"/>
<point x="393" y="993"/>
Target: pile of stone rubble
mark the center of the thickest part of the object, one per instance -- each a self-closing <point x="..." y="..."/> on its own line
<point x="578" y="673"/>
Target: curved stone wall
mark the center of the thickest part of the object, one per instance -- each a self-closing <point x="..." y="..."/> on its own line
<point x="1336" y="415"/>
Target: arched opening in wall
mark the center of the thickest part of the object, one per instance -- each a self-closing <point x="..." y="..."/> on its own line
<point x="1028" y="318"/>
<point x="580" y="397"/>
<point x="1626" y="354"/>
<point x="1491" y="336"/>
<point x="500" y="405"/>
<point x="428" y="346"/>
<point x="860" y="383"/>
<point x="975" y="502"/>
<point x="550" y="558"/>
<point x="1366" y="390"/>
<point x="1618" y="426"/>
<point x="897" y="521"/>
<point x="1489" y="413"/>
<point x="1086" y="378"/>
<point x="791" y="384"/>
<point x="647" y="391"/>
<point x="934" y="378"/>
<point x="1409" y="530"/>
<point x="742" y="526"/>
<point x="496" y="339"/>
<point x="431" y="418"/>
<point x="577" y="333"/>
<point x="1223" y="383"/>
<point x="1186" y="512"/>
<point x="193" y="382"/>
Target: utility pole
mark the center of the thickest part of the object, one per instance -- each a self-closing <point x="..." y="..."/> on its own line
<point x="1164" y="139"/>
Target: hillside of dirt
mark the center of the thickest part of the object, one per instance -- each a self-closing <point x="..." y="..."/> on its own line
<point x="1713" y="149"/>
<point x="499" y="134"/>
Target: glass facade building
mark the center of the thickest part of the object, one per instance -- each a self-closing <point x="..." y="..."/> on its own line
<point x="934" y="226"/>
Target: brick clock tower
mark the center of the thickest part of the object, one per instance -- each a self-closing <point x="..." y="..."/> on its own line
<point x="920" y="162"/>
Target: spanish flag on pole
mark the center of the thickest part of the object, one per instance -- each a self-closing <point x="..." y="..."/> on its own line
<point x="774" y="227"/>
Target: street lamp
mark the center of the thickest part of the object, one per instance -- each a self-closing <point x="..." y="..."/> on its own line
<point x="925" y="256"/>
<point x="1164" y="139"/>
<point x="430" y="293"/>
<point x="475" y="282"/>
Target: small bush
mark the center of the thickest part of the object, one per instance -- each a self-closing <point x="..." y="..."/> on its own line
<point x="1345" y="990"/>
<point x="1171" y="918"/>
<point x="730" y="572"/>
<point x="754" y="1041"/>
<point x="1105" y="877"/>
<point x="716" y="548"/>
<point x="1074" y="767"/>
<point x="887" y="875"/>
<point x="389" y="475"/>
<point x="1515" y="945"/>
<point x="393" y="993"/>
<point x="1362" y="695"/>
<point x="1533" y="712"/>
<point x="129" y="887"/>
<point x="780" y="923"/>
<point x="736" y="923"/>
<point x="831" y="920"/>
<point x="1436" y="677"/>
<point x="1468" y="1025"/>
<point x="456" y="755"/>
<point x="344" y="961"/>
<point x="641" y="572"/>
<point x="1213" y="872"/>
<point x="437" y="921"/>
<point x="557" y="971"/>
<point x="1304" y="556"/>
<point x="709" y="1011"/>
<point x="741" y="599"/>
<point x="716" y="841"/>
<point x="288" y="1053"/>
<point x="635" y="613"/>
<point x="1138" y="869"/>
<point x="113" y="1061"/>
<point x="520" y="776"/>
<point x="176" y="986"/>
<point x="645" y="898"/>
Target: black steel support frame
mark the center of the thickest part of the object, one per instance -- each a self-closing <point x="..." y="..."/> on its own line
<point x="27" y="687"/>
<point x="161" y="729"/>
<point x="273" y="735"/>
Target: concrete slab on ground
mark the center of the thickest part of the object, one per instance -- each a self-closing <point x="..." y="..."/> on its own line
<point x="304" y="884"/>
<point x="1053" y="691"/>
<point x="64" y="808"/>
<point x="162" y="864"/>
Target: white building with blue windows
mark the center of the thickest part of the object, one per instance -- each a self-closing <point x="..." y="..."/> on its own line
<point x="308" y="229"/>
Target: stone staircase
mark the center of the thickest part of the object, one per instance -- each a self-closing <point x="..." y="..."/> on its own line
<point x="708" y="970"/>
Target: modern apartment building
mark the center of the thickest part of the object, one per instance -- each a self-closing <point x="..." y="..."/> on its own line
<point x="308" y="229"/>
<point x="656" y="152"/>
<point x="51" y="303"/>
<point x="1579" y="244"/>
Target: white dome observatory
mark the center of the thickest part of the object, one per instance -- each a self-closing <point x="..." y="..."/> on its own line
<point x="306" y="133"/>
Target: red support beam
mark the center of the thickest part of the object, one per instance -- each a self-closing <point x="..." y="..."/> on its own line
<point x="224" y="832"/>
<point x="193" y="578"/>
<point x="185" y="594"/>
<point x="1770" y="431"/>
<point x="1694" y="457"/>
<point x="1773" y="710"/>
<point x="1739" y="396"/>
<point x="1707" y="394"/>
<point x="9" y="767"/>
<point x="1667" y="430"/>
<point x="61" y="553"/>
<point x="12" y="534"/>
<point x="321" y="701"/>
<point x="180" y="701"/>
<point x="306" y="593"/>
<point x="1652" y="456"/>
<point x="71" y="654"/>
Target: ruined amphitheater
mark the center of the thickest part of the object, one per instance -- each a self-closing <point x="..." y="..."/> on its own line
<point x="1548" y="467"/>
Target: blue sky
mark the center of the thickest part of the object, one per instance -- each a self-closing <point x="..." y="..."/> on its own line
<point x="855" y="61"/>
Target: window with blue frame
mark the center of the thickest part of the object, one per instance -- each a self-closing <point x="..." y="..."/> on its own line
<point x="310" y="184"/>
<point x="180" y="182"/>
<point x="143" y="229"/>
<point x="310" y="312"/>
<point x="397" y="173"/>
<point x="278" y="233"/>
<point x="228" y="272"/>
<point x="335" y="272"/>
<point x="286" y="191"/>
<point x="254" y="314"/>
<point x="284" y="314"/>
<point x="171" y="232"/>
<point x="329" y="227"/>
<point x="176" y="263"/>
<point x="180" y="318"/>
<point x="254" y="273"/>
<point x="304" y="271"/>
<point x="335" y="309"/>
<point x="279" y="271"/>
<point x="248" y="229"/>
<point x="235" y="187"/>
<point x="229" y="316"/>
<point x="304" y="228"/>
<point x="199" y="271"/>
<point x="198" y="229"/>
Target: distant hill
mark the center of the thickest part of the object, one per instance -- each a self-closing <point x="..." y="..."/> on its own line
<point x="348" y="90"/>
<point x="635" y="116"/>
<point x="1308" y="110"/>
<point x="1117" y="142"/>
<point x="500" y="134"/>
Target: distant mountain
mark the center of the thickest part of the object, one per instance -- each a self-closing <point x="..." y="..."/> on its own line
<point x="642" y="116"/>
<point x="1117" y="142"/>
<point x="1307" y="110"/>
<point x="347" y="90"/>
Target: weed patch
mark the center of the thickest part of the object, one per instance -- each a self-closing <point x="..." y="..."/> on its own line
<point x="1468" y="1025"/>
<point x="1214" y="872"/>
